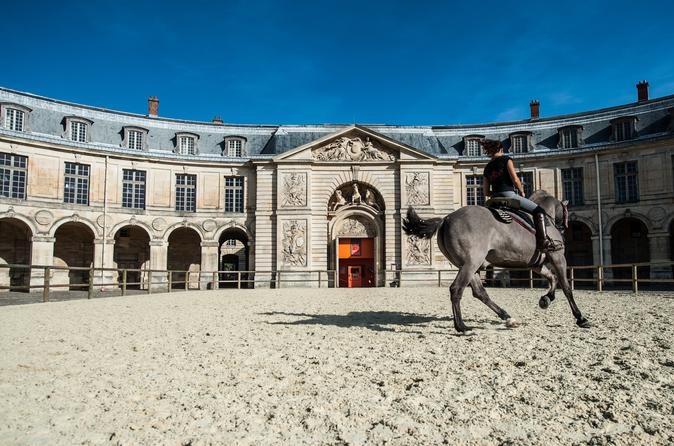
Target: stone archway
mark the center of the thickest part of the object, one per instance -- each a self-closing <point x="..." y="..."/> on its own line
<point x="132" y="251"/>
<point x="357" y="249"/>
<point x="629" y="244"/>
<point x="15" y="248"/>
<point x="73" y="248"/>
<point x="184" y="254"/>
<point x="233" y="255"/>
<point x="578" y="250"/>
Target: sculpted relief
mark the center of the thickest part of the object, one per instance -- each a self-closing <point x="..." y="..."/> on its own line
<point x="418" y="250"/>
<point x="355" y="194"/>
<point x="351" y="149"/>
<point x="294" y="250"/>
<point x="294" y="190"/>
<point x="416" y="185"/>
<point x="356" y="227"/>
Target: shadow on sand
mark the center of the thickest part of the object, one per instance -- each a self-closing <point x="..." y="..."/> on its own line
<point x="372" y="320"/>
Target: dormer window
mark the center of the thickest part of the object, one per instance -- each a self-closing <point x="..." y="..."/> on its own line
<point x="623" y="129"/>
<point x="134" y="138"/>
<point x="186" y="143"/>
<point x="472" y="146"/>
<point x="570" y="137"/>
<point x="77" y="129"/>
<point x="519" y="142"/>
<point x="234" y="147"/>
<point x="14" y="117"/>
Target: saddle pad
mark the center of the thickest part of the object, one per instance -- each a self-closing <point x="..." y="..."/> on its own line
<point x="501" y="215"/>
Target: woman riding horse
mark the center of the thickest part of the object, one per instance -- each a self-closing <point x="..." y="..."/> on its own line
<point x="501" y="181"/>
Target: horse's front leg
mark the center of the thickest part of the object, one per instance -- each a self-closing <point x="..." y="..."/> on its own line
<point x="558" y="264"/>
<point x="549" y="296"/>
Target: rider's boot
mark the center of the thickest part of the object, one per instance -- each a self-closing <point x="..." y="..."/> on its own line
<point x="543" y="242"/>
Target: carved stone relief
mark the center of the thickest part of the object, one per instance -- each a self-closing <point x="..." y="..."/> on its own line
<point x="353" y="194"/>
<point x="294" y="239"/>
<point x="44" y="217"/>
<point x="294" y="189"/>
<point x="418" y="250"/>
<point x="356" y="227"/>
<point x="417" y="187"/>
<point x="351" y="149"/>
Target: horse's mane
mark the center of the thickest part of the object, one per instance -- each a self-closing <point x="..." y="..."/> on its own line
<point x="539" y="195"/>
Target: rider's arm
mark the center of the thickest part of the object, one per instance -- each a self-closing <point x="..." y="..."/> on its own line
<point x="515" y="178"/>
<point x="485" y="187"/>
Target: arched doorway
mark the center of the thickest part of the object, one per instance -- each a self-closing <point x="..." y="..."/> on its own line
<point x="15" y="247"/>
<point x="73" y="248"/>
<point x="184" y="254"/>
<point x="132" y="251"/>
<point x="578" y="250"/>
<point x="356" y="235"/>
<point x="233" y="256"/>
<point x="629" y="244"/>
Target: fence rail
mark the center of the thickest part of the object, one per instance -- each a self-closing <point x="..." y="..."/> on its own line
<point x="153" y="280"/>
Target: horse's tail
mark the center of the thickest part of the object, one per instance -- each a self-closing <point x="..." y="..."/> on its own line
<point x="415" y="225"/>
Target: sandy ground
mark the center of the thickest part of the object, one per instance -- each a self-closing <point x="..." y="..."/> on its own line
<point x="381" y="366"/>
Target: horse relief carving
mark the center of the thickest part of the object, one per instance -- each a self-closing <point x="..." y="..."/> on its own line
<point x="294" y="191"/>
<point x="355" y="194"/>
<point x="418" y="250"/>
<point x="416" y="185"/>
<point x="351" y="149"/>
<point x="294" y="242"/>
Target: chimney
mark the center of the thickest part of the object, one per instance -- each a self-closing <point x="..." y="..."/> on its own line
<point x="535" y="108"/>
<point x="217" y="120"/>
<point x="153" y="106"/>
<point x="642" y="91"/>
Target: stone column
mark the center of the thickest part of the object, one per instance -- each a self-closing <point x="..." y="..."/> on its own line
<point x="209" y="263"/>
<point x="42" y="253"/>
<point x="158" y="261"/>
<point x="659" y="247"/>
<point x="103" y="257"/>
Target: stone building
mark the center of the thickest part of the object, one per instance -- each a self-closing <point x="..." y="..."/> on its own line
<point x="88" y="187"/>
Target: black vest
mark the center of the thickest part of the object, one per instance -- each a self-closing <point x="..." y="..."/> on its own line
<point x="497" y="174"/>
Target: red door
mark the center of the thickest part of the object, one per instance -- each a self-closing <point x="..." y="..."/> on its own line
<point x="355" y="276"/>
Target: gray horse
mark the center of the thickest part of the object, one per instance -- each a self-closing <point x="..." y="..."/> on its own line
<point x="471" y="237"/>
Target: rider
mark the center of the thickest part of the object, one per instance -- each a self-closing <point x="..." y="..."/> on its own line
<point x="500" y="180"/>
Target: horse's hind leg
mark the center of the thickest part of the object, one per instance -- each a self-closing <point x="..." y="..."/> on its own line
<point x="459" y="284"/>
<point x="558" y="264"/>
<point x="480" y="293"/>
<point x="549" y="296"/>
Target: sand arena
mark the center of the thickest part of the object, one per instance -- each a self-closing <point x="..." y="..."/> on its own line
<point x="382" y="366"/>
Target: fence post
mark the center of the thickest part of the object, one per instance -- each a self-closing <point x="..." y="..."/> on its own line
<point x="635" y="279"/>
<point x="531" y="279"/>
<point x="600" y="278"/>
<point x="90" y="290"/>
<point x="571" y="277"/>
<point x="149" y="282"/>
<point x="319" y="279"/>
<point x="439" y="278"/>
<point x="169" y="276"/>
<point x="278" y="279"/>
<point x="215" y="280"/>
<point x="124" y="282"/>
<point x="238" y="280"/>
<point x="45" y="289"/>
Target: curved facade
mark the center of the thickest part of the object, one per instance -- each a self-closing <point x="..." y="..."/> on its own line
<point x="84" y="186"/>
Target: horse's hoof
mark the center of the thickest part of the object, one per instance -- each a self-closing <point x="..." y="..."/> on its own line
<point x="583" y="323"/>
<point x="544" y="302"/>
<point x="512" y="323"/>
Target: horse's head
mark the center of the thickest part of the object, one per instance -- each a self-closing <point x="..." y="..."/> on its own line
<point x="554" y="208"/>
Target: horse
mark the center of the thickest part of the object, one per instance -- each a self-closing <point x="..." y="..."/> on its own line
<point x="471" y="237"/>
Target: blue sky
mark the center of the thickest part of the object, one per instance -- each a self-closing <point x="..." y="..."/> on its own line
<point x="295" y="62"/>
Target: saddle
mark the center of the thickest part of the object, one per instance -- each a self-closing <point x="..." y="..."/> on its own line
<point x="504" y="209"/>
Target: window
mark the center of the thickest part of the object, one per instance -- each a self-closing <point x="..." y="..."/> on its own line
<point x="626" y="182"/>
<point x="519" y="143"/>
<point x="13" y="174"/>
<point x="234" y="194"/>
<point x="135" y="140"/>
<point x="527" y="179"/>
<point x="569" y="137"/>
<point x="472" y="145"/>
<point x="623" y="129"/>
<point x="76" y="184"/>
<point x="14" y="119"/>
<point x="474" y="191"/>
<point x="234" y="147"/>
<point x="572" y="185"/>
<point x="133" y="189"/>
<point x="186" y="144"/>
<point x="186" y="193"/>
<point x="78" y="131"/>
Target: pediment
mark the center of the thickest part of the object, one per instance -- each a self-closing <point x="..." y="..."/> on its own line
<point x="354" y="144"/>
